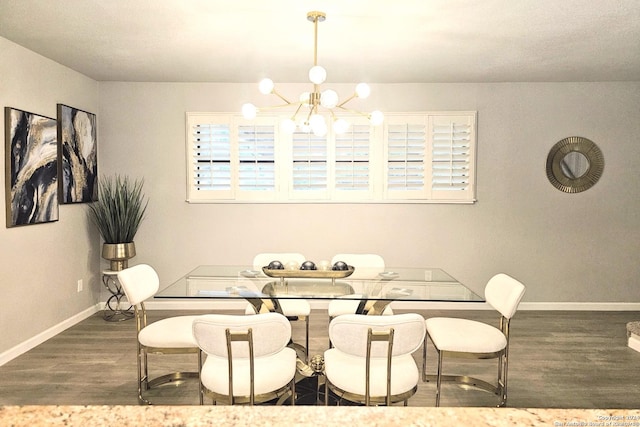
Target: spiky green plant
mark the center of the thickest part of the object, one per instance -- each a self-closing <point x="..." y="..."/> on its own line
<point x="120" y="208"/>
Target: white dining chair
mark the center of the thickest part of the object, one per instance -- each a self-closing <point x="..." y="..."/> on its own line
<point x="247" y="358"/>
<point x="371" y="361"/>
<point x="366" y="267"/>
<point x="293" y="309"/>
<point x="172" y="335"/>
<point x="466" y="338"/>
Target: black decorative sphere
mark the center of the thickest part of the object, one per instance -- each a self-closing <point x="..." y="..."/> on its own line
<point x="340" y="266"/>
<point x="275" y="265"/>
<point x="308" y="265"/>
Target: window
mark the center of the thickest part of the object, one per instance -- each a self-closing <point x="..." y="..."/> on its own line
<point x="412" y="158"/>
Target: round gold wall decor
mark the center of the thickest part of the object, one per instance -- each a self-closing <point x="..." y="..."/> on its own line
<point x="574" y="164"/>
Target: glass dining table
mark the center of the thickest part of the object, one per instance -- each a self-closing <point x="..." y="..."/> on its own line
<point x="371" y="290"/>
<point x="264" y="288"/>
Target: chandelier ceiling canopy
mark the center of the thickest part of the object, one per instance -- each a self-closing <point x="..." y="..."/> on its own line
<point x="310" y="106"/>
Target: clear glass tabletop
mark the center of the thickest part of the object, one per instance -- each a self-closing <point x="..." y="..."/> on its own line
<point x="242" y="282"/>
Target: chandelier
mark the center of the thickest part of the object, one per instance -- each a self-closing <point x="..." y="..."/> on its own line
<point x="308" y="115"/>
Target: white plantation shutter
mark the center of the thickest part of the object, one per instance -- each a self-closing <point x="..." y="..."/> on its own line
<point x="451" y="156"/>
<point x="209" y="160"/>
<point x="309" y="155"/>
<point x="406" y="140"/>
<point x="256" y="155"/>
<point x="353" y="161"/>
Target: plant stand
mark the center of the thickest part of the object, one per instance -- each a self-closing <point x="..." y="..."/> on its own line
<point x="114" y="308"/>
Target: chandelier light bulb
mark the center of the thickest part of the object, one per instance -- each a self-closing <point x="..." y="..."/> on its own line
<point x="340" y="126"/>
<point x="319" y="129"/>
<point x="304" y="98"/>
<point x="266" y="86"/>
<point x="288" y="126"/>
<point x="376" y="117"/>
<point x="363" y="90"/>
<point x="329" y="98"/>
<point x="316" y="120"/>
<point x="249" y="111"/>
<point x="317" y="75"/>
<point x="305" y="128"/>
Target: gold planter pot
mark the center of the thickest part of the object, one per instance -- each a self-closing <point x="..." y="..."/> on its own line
<point x="119" y="254"/>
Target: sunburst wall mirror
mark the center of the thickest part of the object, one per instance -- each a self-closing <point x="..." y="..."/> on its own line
<point x="574" y="164"/>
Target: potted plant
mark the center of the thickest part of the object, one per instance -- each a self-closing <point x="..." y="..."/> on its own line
<point x="118" y="213"/>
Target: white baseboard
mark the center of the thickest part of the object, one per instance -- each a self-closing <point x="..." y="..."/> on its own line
<point x="34" y="341"/>
<point x="580" y="306"/>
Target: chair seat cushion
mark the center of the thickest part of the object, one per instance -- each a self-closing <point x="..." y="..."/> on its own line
<point x="271" y="373"/>
<point x="290" y="307"/>
<point x="348" y="373"/>
<point x="464" y="335"/>
<point x="338" y="307"/>
<point x="172" y="332"/>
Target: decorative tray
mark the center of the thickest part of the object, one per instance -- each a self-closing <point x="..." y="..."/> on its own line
<point x="309" y="274"/>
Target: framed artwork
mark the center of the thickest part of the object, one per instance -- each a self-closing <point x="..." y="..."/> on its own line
<point x="31" y="168"/>
<point x="77" y="155"/>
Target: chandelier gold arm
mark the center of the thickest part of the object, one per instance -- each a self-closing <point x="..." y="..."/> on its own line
<point x="274" y="107"/>
<point x="293" y="117"/>
<point x="346" y="100"/>
<point x="276" y="93"/>
<point x="356" y="112"/>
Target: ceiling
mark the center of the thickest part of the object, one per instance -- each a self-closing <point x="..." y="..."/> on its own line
<point x="379" y="41"/>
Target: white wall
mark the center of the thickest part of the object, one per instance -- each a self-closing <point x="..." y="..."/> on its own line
<point x="41" y="264"/>
<point x="564" y="247"/>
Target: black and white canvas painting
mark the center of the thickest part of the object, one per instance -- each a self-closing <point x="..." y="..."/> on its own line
<point x="31" y="168"/>
<point x="77" y="155"/>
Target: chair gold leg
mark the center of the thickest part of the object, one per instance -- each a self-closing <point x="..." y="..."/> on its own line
<point x="145" y="365"/>
<point x="200" y="390"/>
<point x="293" y="391"/>
<point x="139" y="365"/>
<point x="326" y="392"/>
<point x="306" y="345"/>
<point x="502" y="379"/>
<point x="439" y="380"/>
<point x="142" y="380"/>
<point x="424" y="360"/>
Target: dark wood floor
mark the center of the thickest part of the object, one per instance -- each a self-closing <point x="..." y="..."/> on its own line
<point x="558" y="360"/>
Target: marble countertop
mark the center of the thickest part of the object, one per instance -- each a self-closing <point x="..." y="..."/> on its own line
<point x="191" y="416"/>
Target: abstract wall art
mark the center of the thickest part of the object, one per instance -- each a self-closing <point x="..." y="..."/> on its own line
<point x="77" y="155"/>
<point x="31" y="168"/>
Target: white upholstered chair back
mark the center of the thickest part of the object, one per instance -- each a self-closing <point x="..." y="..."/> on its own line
<point x="348" y="333"/>
<point x="263" y="259"/>
<point x="367" y="266"/>
<point x="293" y="308"/>
<point x="504" y="293"/>
<point x="139" y="282"/>
<point x="271" y="333"/>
